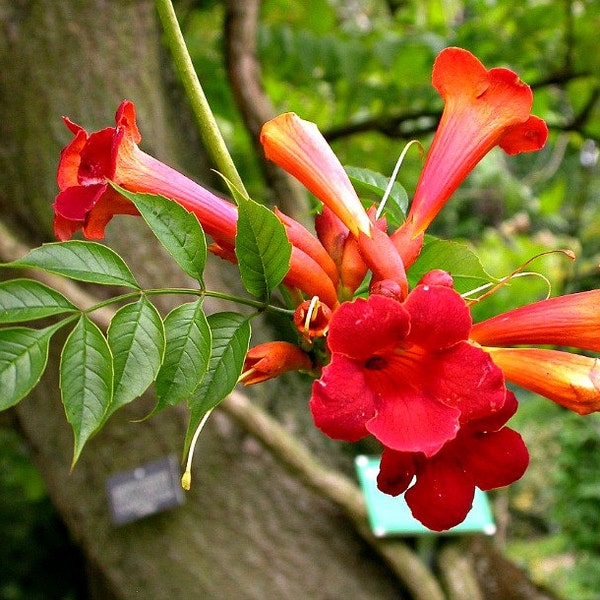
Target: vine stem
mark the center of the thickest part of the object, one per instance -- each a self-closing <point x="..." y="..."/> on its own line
<point x="207" y="124"/>
<point x="257" y="304"/>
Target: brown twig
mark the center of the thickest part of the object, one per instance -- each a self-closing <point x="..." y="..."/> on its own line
<point x="243" y="70"/>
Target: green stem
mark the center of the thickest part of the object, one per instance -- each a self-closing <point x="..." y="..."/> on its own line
<point x="209" y="130"/>
<point x="257" y="304"/>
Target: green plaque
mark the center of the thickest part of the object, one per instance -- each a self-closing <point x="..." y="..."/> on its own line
<point x="389" y="515"/>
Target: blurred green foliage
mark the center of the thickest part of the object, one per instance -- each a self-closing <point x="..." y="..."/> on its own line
<point x="37" y="559"/>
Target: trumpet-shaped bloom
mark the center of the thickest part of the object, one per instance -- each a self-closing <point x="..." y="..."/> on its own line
<point x="571" y="380"/>
<point x="271" y="359"/>
<point x="484" y="454"/>
<point x="342" y="246"/>
<point x="482" y="109"/>
<point x="298" y="147"/>
<point x="87" y="201"/>
<point x="311" y="318"/>
<point x="569" y="320"/>
<point x="572" y="320"/>
<point x="404" y="372"/>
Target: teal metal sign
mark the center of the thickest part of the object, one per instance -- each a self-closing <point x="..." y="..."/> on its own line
<point x="389" y="515"/>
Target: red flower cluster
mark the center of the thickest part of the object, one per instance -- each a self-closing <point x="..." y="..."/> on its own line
<point x="407" y="374"/>
<point x="405" y="366"/>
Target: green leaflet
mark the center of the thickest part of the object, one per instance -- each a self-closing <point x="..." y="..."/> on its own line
<point x="28" y="300"/>
<point x="455" y="258"/>
<point x="365" y="180"/>
<point x="262" y="248"/>
<point x="86" y="381"/>
<point x="177" y="229"/>
<point x="187" y="355"/>
<point x="230" y="341"/>
<point x="81" y="260"/>
<point x="136" y="337"/>
<point x="23" y="359"/>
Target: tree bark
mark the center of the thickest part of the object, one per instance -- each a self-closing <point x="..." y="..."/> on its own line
<point x="248" y="530"/>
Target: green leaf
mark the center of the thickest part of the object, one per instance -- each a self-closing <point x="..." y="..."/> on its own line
<point x="367" y="181"/>
<point x="262" y="248"/>
<point x="27" y="300"/>
<point x="230" y="341"/>
<point x="177" y="229"/>
<point x="136" y="338"/>
<point x="455" y="258"/>
<point x="23" y="359"/>
<point x="187" y="354"/>
<point x="81" y="260"/>
<point x="86" y="381"/>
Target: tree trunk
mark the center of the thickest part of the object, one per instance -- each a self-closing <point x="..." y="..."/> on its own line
<point x="248" y="530"/>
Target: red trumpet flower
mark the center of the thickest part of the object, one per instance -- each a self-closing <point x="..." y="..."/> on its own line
<point x="573" y="320"/>
<point x="482" y="109"/>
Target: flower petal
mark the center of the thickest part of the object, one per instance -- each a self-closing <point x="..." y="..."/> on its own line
<point x="411" y="421"/>
<point x="439" y="317"/>
<point x="396" y="471"/>
<point x="571" y="380"/>
<point x="525" y="137"/>
<point x="125" y="119"/>
<point x="465" y="377"/>
<point x="298" y="147"/>
<point x="70" y="157"/>
<point x="341" y="401"/>
<point x="443" y="493"/>
<point x="97" y="162"/>
<point x="496" y="459"/>
<point x="570" y="320"/>
<point x="364" y="327"/>
<point x="74" y="203"/>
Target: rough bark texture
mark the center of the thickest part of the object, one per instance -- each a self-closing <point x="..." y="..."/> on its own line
<point x="248" y="530"/>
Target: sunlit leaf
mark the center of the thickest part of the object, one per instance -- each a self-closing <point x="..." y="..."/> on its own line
<point x="262" y="248"/>
<point x="230" y="341"/>
<point x="176" y="229"/>
<point x="23" y="359"/>
<point x="455" y="258"/>
<point x="367" y="181"/>
<point x="136" y="338"/>
<point x="81" y="260"/>
<point x="27" y="300"/>
<point x="86" y="381"/>
<point x="187" y="354"/>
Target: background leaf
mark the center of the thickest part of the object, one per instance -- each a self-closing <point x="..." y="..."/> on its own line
<point x="188" y="343"/>
<point x="81" y="260"/>
<point x="375" y="184"/>
<point x="230" y="341"/>
<point x="86" y="381"/>
<point x="262" y="248"/>
<point x="177" y="229"/>
<point x="455" y="258"/>
<point x="27" y="300"/>
<point x="23" y="359"/>
<point x="136" y="337"/>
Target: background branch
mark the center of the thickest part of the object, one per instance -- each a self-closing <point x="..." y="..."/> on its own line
<point x="243" y="69"/>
